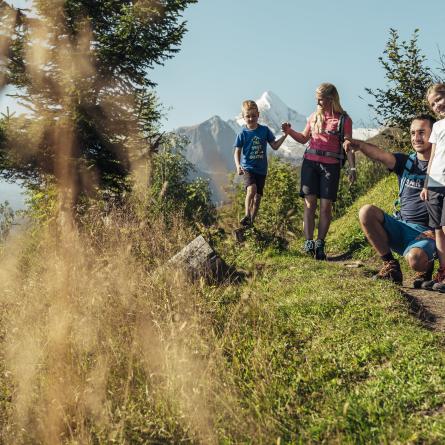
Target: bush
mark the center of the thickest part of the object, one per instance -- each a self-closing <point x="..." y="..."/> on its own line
<point x="172" y="191"/>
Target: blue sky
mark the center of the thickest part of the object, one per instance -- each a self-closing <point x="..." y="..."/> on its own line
<point x="237" y="49"/>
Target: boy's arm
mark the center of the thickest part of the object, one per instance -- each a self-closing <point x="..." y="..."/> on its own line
<point x="276" y="144"/>
<point x="424" y="192"/>
<point x="372" y="151"/>
<point x="236" y="156"/>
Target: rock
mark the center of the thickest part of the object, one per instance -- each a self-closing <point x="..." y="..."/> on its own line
<point x="199" y="260"/>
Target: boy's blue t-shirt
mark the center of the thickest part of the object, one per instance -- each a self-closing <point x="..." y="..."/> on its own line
<point x="253" y="145"/>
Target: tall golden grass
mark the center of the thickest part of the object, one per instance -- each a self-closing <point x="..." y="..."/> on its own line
<point x="101" y="341"/>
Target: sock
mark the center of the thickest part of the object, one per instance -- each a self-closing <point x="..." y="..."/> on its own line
<point x="387" y="257"/>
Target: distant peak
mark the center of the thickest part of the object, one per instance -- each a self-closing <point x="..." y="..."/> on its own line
<point x="268" y="98"/>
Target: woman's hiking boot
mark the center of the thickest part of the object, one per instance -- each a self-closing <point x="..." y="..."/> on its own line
<point x="319" y="250"/>
<point x="423" y="277"/>
<point x="309" y="247"/>
<point x="437" y="283"/>
<point x="246" y="221"/>
<point x="390" y="271"/>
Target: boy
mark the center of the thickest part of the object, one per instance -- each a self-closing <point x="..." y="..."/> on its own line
<point x="251" y="158"/>
<point x="434" y="188"/>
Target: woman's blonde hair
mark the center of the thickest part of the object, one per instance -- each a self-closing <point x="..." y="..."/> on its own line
<point x="435" y="88"/>
<point x="325" y="90"/>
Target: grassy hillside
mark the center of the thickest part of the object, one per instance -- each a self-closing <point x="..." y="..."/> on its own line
<point x="102" y="344"/>
<point x="320" y="354"/>
<point x="345" y="233"/>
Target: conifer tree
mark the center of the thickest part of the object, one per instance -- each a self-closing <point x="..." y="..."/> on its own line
<point x="408" y="77"/>
<point x="81" y="68"/>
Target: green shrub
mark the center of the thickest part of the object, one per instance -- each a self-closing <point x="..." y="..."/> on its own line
<point x="172" y="192"/>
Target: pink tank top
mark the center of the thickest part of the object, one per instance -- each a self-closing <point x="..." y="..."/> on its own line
<point x="325" y="141"/>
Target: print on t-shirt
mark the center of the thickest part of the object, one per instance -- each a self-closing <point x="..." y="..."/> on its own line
<point x="257" y="151"/>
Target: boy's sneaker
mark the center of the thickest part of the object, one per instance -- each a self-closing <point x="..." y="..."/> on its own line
<point x="390" y="271"/>
<point x="309" y="247"/>
<point x="438" y="278"/>
<point x="246" y="221"/>
<point x="422" y="277"/>
<point x="319" y="250"/>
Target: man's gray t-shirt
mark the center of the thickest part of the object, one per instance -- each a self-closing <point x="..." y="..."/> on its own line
<point x="412" y="208"/>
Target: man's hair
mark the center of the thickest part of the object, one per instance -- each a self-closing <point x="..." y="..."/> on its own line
<point x="425" y="117"/>
<point x="249" y="105"/>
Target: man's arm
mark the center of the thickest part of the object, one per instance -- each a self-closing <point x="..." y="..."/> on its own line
<point x="372" y="151"/>
<point x="276" y="144"/>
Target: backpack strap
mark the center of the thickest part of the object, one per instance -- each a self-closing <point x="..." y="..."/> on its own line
<point x="409" y="164"/>
<point x="407" y="169"/>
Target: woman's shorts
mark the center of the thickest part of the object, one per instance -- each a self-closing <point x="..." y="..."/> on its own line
<point x="320" y="179"/>
<point x="251" y="178"/>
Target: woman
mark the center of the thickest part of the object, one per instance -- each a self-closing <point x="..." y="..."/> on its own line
<point x="325" y="131"/>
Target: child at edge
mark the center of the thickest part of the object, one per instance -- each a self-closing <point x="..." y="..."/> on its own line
<point x="251" y="158"/>
<point x="434" y="188"/>
<point x="320" y="170"/>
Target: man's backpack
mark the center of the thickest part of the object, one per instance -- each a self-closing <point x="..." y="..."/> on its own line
<point x="407" y="170"/>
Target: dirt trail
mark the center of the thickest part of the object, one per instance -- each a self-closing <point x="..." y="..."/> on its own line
<point x="427" y="306"/>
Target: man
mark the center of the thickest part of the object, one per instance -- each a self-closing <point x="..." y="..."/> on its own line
<point x="409" y="233"/>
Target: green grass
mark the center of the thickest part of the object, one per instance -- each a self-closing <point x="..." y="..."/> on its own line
<point x="320" y="354"/>
<point x="345" y="233"/>
<point x="301" y="352"/>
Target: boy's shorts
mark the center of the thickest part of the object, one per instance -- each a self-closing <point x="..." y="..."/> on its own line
<point x="319" y="179"/>
<point x="404" y="236"/>
<point x="251" y="178"/>
<point x="435" y="208"/>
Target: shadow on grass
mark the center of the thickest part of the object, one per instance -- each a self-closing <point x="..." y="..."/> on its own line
<point x="417" y="308"/>
<point x="353" y="247"/>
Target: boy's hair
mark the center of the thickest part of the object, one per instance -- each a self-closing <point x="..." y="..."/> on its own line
<point x="249" y="105"/>
<point x="425" y="117"/>
<point x="327" y="90"/>
<point x="435" y="88"/>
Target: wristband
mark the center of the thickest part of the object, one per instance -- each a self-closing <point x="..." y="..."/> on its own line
<point x="352" y="169"/>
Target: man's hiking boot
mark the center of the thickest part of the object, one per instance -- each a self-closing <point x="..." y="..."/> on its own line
<point x="422" y="277"/>
<point x="309" y="247"/>
<point x="319" y="250"/>
<point x="436" y="283"/>
<point x="390" y="271"/>
<point x="246" y="222"/>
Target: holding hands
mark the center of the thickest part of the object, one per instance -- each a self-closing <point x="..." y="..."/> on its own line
<point x="285" y="127"/>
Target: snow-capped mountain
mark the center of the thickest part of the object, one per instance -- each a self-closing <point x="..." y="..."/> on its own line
<point x="211" y="142"/>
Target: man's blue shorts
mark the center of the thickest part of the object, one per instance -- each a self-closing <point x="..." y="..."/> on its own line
<point x="403" y="236"/>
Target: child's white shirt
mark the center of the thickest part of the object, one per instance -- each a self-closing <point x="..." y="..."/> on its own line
<point x="437" y="172"/>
